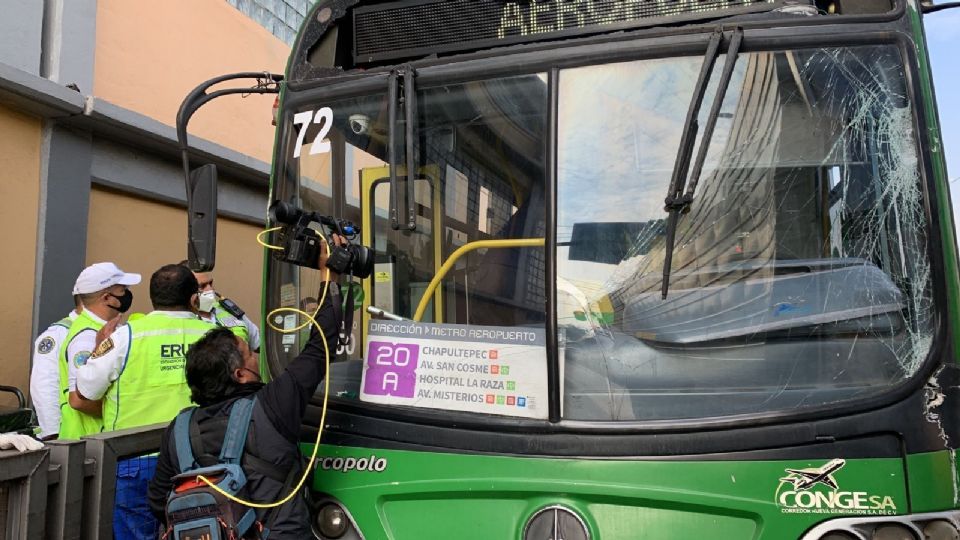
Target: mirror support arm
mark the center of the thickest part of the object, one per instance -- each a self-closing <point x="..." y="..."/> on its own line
<point x="410" y="114"/>
<point x="266" y="83"/>
<point x="933" y="8"/>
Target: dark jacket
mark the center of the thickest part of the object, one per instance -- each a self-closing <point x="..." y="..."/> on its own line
<point x="273" y="436"/>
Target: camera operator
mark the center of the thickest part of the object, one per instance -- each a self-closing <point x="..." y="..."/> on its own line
<point x="220" y="369"/>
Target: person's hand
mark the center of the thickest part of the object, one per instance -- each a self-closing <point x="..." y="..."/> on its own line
<point x="22" y="443"/>
<point x="335" y="240"/>
<point x="107" y="331"/>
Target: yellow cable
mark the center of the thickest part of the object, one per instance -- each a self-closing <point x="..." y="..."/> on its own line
<point x="263" y="243"/>
<point x="326" y="387"/>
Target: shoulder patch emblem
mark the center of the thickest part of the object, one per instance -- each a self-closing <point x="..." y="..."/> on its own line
<point x="105" y="347"/>
<point x="46" y="345"/>
<point x="81" y="358"/>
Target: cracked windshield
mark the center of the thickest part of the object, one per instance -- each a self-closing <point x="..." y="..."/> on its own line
<point x="800" y="274"/>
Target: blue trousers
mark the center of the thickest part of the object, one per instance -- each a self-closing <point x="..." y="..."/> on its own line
<point x="131" y="514"/>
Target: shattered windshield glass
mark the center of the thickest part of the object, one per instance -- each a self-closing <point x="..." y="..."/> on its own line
<point x="800" y="275"/>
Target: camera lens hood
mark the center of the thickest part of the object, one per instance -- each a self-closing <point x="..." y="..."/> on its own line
<point x="282" y="212"/>
<point x="363" y="261"/>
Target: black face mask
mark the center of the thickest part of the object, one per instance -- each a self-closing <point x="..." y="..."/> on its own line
<point x="126" y="300"/>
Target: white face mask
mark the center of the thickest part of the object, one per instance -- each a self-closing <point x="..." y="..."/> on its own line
<point x="207" y="300"/>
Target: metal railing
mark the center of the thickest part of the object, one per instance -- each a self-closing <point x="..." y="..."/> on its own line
<point x="24" y="479"/>
<point x="66" y="490"/>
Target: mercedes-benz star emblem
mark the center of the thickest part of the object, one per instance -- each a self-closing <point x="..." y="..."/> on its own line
<point x="555" y="523"/>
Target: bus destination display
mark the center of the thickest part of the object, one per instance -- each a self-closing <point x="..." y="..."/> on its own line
<point x="403" y="29"/>
<point x="457" y="367"/>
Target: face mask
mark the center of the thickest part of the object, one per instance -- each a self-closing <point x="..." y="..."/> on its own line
<point x="206" y="301"/>
<point x="126" y="300"/>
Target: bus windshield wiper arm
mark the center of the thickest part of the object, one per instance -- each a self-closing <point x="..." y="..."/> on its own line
<point x="402" y="94"/>
<point x="410" y="119"/>
<point x="392" y="150"/>
<point x="678" y="199"/>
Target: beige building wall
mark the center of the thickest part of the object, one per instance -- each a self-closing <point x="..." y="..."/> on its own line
<point x="141" y="236"/>
<point x="19" y="201"/>
<point x="150" y="54"/>
<point x="143" y="56"/>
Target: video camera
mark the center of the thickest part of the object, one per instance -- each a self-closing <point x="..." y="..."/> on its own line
<point x="301" y="243"/>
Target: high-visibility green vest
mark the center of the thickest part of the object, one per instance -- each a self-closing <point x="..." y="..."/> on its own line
<point x="227" y="320"/>
<point x="73" y="423"/>
<point x="152" y="386"/>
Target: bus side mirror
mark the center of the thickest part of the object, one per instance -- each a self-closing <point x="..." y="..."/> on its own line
<point x="202" y="219"/>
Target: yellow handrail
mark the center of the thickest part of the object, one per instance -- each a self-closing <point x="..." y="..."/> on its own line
<point x="461" y="251"/>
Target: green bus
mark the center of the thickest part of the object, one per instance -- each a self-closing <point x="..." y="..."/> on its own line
<point x="666" y="269"/>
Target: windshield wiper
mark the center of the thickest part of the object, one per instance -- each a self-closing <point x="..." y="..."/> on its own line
<point x="392" y="150"/>
<point x="410" y="118"/>
<point x="679" y="197"/>
<point x="402" y="94"/>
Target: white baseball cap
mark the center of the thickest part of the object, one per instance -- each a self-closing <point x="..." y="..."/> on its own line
<point x="99" y="276"/>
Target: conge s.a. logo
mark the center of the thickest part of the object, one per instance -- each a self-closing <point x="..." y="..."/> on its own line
<point x="816" y="491"/>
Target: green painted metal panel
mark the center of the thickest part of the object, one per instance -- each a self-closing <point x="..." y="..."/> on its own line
<point x="933" y="481"/>
<point x="405" y="494"/>
<point x="934" y="153"/>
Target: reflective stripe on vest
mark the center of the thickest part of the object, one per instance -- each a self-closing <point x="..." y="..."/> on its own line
<point x="73" y="423"/>
<point x="152" y="386"/>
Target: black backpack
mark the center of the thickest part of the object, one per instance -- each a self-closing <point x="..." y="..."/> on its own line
<point x="194" y="510"/>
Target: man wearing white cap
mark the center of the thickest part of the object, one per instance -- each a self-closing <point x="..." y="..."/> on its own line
<point x="137" y="373"/>
<point x="45" y="373"/>
<point x="102" y="288"/>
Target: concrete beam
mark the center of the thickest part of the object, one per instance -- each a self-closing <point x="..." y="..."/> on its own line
<point x="157" y="177"/>
<point x="35" y="95"/>
<point x="62" y="227"/>
<point x="109" y="121"/>
<point x="69" y="42"/>
<point x="21" y="28"/>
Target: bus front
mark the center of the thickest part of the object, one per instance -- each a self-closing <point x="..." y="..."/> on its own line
<point x="647" y="269"/>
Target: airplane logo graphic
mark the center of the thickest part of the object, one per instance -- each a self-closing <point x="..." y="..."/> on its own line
<point x="804" y="479"/>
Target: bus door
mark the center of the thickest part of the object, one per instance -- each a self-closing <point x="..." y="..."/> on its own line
<point x="406" y="260"/>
